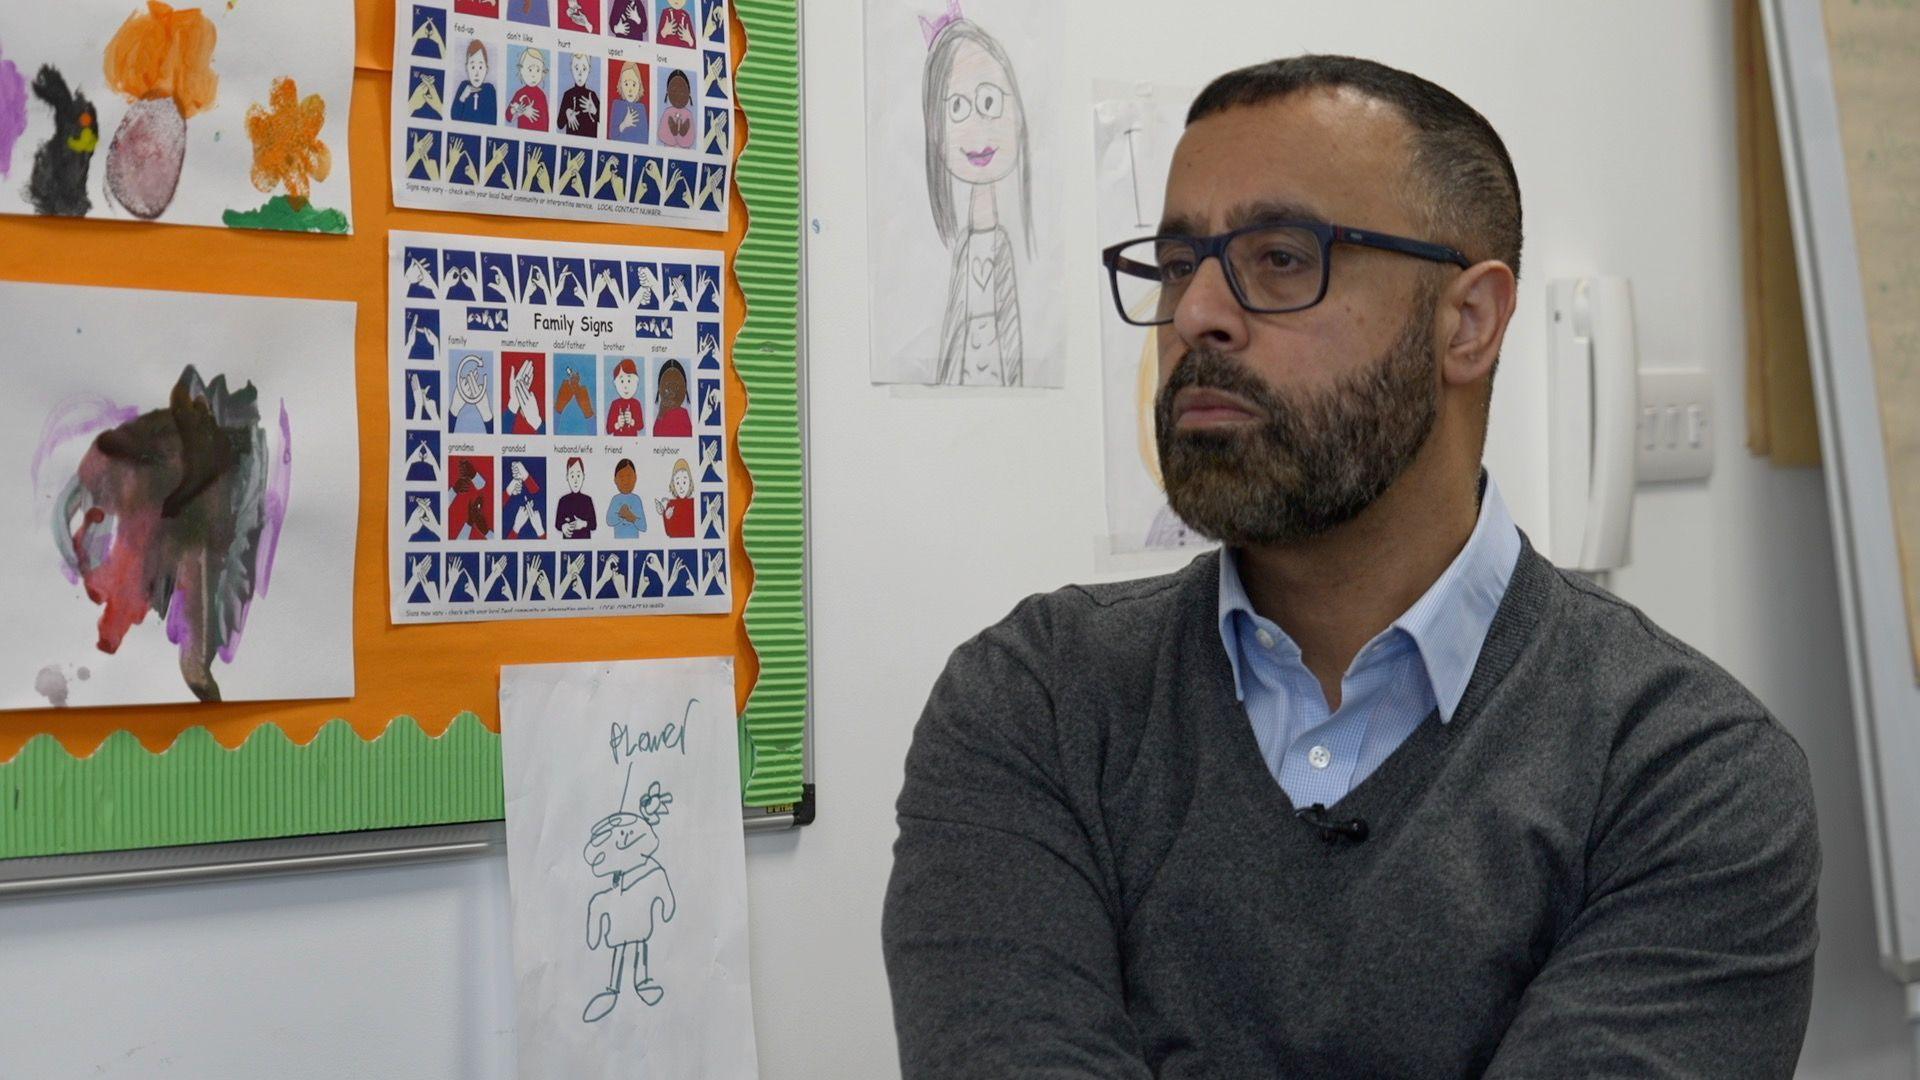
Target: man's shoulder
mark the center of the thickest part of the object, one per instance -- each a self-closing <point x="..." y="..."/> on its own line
<point x="1111" y="617"/>
<point x="1661" y="695"/>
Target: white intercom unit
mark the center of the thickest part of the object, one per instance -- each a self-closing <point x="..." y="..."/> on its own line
<point x="1611" y="424"/>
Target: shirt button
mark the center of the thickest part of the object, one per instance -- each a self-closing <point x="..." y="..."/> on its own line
<point x="1320" y="757"/>
<point x="1265" y="636"/>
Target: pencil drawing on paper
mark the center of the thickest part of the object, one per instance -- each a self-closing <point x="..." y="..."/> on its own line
<point x="637" y="897"/>
<point x="978" y="172"/>
<point x="176" y="511"/>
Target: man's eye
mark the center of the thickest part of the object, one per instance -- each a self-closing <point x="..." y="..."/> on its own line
<point x="1176" y="269"/>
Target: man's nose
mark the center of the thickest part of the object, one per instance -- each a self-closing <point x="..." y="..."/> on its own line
<point x="1208" y="315"/>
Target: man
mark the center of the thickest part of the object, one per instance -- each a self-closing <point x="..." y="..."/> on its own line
<point x="575" y="512"/>
<point x="1376" y="791"/>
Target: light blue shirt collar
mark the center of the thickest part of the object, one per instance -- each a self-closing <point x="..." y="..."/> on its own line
<point x="1449" y="622"/>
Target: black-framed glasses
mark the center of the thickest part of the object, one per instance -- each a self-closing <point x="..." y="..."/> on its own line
<point x="1272" y="267"/>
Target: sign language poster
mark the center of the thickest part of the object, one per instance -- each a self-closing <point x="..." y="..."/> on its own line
<point x="559" y="430"/>
<point x="626" y="868"/>
<point x="600" y="110"/>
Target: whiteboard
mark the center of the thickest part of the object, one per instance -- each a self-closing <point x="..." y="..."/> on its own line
<point x="1886" y="698"/>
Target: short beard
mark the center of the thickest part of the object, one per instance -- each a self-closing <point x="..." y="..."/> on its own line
<point x="1312" y="465"/>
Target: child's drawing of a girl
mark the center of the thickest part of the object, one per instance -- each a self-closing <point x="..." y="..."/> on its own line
<point x="976" y="148"/>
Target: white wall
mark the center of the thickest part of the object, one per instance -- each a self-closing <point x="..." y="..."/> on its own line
<point x="1620" y="119"/>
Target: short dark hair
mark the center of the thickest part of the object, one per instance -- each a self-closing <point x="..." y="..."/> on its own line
<point x="1471" y="194"/>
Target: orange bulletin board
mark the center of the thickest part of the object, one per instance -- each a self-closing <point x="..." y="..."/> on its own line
<point x="432" y="673"/>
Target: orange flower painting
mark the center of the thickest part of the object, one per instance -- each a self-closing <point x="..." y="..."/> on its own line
<point x="286" y="142"/>
<point x="288" y="154"/>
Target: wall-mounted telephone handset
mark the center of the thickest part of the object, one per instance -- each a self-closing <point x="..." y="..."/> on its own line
<point x="1593" y="386"/>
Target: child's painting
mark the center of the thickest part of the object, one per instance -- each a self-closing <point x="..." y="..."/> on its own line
<point x="627" y="866"/>
<point x="188" y="470"/>
<point x="220" y="114"/>
<point x="964" y="229"/>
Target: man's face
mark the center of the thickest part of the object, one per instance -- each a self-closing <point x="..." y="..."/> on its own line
<point x="580" y="69"/>
<point x="626" y="383"/>
<point x="1275" y="428"/>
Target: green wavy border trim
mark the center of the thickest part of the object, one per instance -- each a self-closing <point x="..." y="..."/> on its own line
<point x="199" y="792"/>
<point x="773" y="729"/>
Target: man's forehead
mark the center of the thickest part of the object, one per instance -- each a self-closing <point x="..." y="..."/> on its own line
<point x="1315" y="155"/>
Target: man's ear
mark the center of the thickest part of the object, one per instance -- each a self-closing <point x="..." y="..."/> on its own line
<point x="1481" y="300"/>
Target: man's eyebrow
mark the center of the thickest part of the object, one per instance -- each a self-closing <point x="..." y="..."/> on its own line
<point x="1264" y="212"/>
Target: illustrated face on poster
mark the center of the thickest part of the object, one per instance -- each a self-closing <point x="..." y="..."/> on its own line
<point x="187" y="492"/>
<point x="1135" y="131"/>
<point x="960" y="122"/>
<point x="216" y="114"/>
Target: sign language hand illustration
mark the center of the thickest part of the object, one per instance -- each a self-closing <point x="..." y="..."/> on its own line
<point x="677" y="293"/>
<point x="496" y="568"/>
<point x="421" y="340"/>
<point x="536" y="585"/>
<point x="571" y="567"/>
<point x="428" y="31"/>
<point x="712" y="521"/>
<point x="629" y="20"/>
<point x="536" y="175"/>
<point x="649" y="281"/>
<point x="420" y="581"/>
<point x="572" y="162"/>
<point x="420" y="275"/>
<point x="459" y="161"/>
<point x="422" y="157"/>
<point x="608" y="282"/>
<point x="424" y="407"/>
<point x="493" y="162"/>
<point x="425" y="93"/>
<point x="713" y="568"/>
<point x="611" y="176"/>
<point x="422" y="517"/>
<point x="663" y="573"/>
<point x="610" y="577"/>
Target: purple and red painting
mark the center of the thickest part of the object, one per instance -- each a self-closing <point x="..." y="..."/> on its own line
<point x="176" y="512"/>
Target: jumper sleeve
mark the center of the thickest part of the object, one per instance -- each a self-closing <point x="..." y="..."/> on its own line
<point x="1693" y="953"/>
<point x="1000" y="929"/>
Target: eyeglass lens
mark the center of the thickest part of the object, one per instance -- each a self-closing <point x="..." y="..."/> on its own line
<point x="1276" y="269"/>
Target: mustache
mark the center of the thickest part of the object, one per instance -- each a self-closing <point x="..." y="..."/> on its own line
<point x="1207" y="369"/>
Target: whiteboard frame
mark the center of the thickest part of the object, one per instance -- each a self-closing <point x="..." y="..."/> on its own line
<point x="1880" y="666"/>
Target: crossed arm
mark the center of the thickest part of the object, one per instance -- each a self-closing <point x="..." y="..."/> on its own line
<point x="1690" y="955"/>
